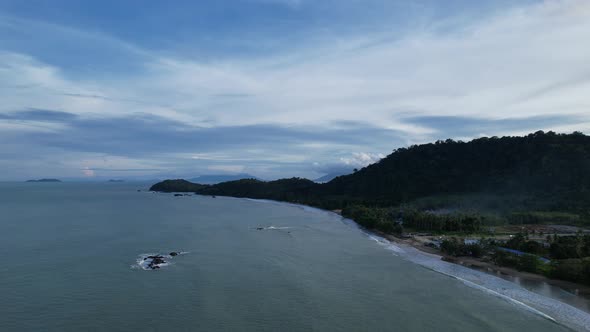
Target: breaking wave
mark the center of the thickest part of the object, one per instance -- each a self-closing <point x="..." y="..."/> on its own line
<point x="548" y="308"/>
<point x="540" y="305"/>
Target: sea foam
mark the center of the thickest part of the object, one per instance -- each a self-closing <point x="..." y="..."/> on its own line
<point x="543" y="306"/>
<point x="143" y="261"/>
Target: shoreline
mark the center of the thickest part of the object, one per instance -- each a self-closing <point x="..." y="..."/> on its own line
<point x="505" y="273"/>
<point x="549" y="307"/>
<point x="489" y="268"/>
<point x="475" y="264"/>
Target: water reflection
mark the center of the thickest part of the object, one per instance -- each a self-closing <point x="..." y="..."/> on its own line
<point x="566" y="293"/>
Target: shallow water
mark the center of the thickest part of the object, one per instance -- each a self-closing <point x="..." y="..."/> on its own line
<point x="70" y="263"/>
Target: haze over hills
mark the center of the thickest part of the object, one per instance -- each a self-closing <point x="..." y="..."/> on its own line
<point x="331" y="176"/>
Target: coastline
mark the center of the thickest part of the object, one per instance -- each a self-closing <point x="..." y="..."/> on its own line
<point x="548" y="307"/>
<point x="505" y="273"/>
<point x="545" y="306"/>
<point x="502" y="272"/>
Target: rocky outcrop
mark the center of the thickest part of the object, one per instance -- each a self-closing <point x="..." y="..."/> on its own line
<point x="154" y="262"/>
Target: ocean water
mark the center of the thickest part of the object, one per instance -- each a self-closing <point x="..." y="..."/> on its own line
<point x="71" y="253"/>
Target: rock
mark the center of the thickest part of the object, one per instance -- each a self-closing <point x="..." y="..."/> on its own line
<point x="153" y="262"/>
<point x="177" y="195"/>
<point x="156" y="260"/>
<point x="259" y="228"/>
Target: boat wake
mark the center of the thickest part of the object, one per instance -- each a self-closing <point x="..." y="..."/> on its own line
<point x="271" y="228"/>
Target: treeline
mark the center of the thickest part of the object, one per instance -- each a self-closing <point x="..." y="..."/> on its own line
<point x="456" y="247"/>
<point x="558" y="247"/>
<point x="394" y="220"/>
<point x="542" y="217"/>
<point x="525" y="262"/>
<point x="456" y="222"/>
<point x="549" y="170"/>
<point x="169" y="186"/>
<point x="296" y="190"/>
<point x="569" y="256"/>
<point x="374" y="218"/>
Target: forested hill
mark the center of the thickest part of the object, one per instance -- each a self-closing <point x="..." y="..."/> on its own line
<point x="546" y="167"/>
<point x="540" y="163"/>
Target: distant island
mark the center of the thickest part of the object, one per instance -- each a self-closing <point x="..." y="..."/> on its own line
<point x="44" y="180"/>
<point x="517" y="202"/>
<point x="117" y="181"/>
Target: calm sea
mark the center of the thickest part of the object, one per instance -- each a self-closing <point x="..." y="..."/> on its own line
<point x="69" y="263"/>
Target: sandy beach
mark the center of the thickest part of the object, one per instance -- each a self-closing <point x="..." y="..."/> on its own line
<point x="488" y="267"/>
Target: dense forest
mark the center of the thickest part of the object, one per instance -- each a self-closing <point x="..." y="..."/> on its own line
<point x="522" y="176"/>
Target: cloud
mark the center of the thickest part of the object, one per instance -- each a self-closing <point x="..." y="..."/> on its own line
<point x="227" y="168"/>
<point x="462" y="72"/>
<point x="38" y="115"/>
<point x="513" y="70"/>
<point x="462" y="126"/>
<point x="143" y="134"/>
<point x="362" y="159"/>
<point x="347" y="163"/>
<point x="150" y="144"/>
<point x="88" y="172"/>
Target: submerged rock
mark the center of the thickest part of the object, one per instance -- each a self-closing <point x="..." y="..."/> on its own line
<point x="153" y="262"/>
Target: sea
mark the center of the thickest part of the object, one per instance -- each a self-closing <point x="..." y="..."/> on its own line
<point x="72" y="259"/>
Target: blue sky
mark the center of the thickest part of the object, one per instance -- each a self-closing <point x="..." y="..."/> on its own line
<point x="274" y="88"/>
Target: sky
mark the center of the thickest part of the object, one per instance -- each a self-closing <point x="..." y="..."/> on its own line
<point x="277" y="88"/>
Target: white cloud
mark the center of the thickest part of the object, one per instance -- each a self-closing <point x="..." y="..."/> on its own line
<point x="88" y="172"/>
<point x="361" y="159"/>
<point x="522" y="62"/>
<point x="525" y="62"/>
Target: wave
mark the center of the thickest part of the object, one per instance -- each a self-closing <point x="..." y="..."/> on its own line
<point x="504" y="297"/>
<point x="387" y="244"/>
<point x="540" y="305"/>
